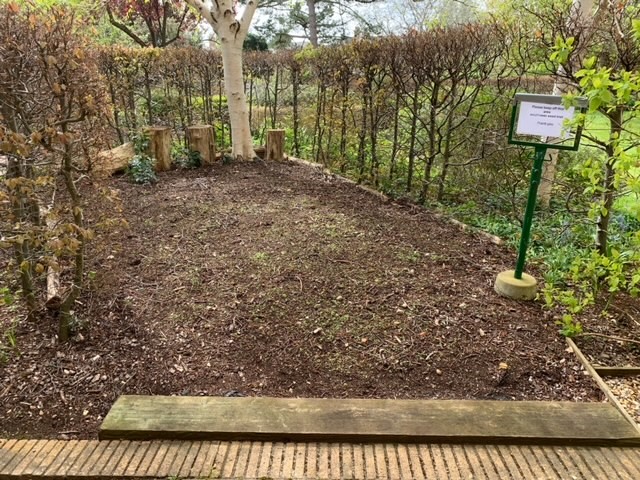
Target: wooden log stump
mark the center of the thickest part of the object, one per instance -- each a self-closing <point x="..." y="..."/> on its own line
<point x="201" y="139"/>
<point x="275" y="145"/>
<point x="160" y="147"/>
<point x="114" y="160"/>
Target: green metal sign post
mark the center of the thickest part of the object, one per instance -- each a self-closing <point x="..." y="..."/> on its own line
<point x="539" y="121"/>
<point x="536" y="175"/>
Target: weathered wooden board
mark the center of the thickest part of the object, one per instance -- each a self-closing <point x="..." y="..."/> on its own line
<point x="617" y="371"/>
<point x="370" y="420"/>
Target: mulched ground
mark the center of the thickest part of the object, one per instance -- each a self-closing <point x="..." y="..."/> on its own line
<point x="608" y="346"/>
<point x="278" y="280"/>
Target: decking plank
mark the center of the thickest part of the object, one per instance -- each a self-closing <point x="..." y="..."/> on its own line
<point x="15" y="455"/>
<point x="41" y="467"/>
<point x="367" y="420"/>
<point x="39" y="457"/>
<point x="28" y="456"/>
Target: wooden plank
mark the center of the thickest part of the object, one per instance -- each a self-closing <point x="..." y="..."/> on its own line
<point x="416" y="463"/>
<point x="189" y="459"/>
<point x="392" y="462"/>
<point x="226" y="469"/>
<point x="521" y="457"/>
<point x="312" y="460"/>
<point x="492" y="465"/>
<point x="131" y="449"/>
<point x="61" y="458"/>
<point x="14" y="455"/>
<point x="277" y="453"/>
<point x="77" y="455"/>
<point x="438" y="461"/>
<point x="403" y="459"/>
<point x="138" y="456"/>
<point x="204" y="461"/>
<point x="554" y="457"/>
<point x="335" y="463"/>
<point x="147" y="459"/>
<point x="576" y="466"/>
<point x="156" y="463"/>
<point x="450" y="462"/>
<point x="39" y="458"/>
<point x="301" y="456"/>
<point x="358" y="463"/>
<point x="253" y="462"/>
<point x="616" y="371"/>
<point x="215" y="460"/>
<point x="603" y="386"/>
<point x="28" y="456"/>
<point x="288" y="459"/>
<point x="461" y="459"/>
<point x="6" y="451"/>
<point x="164" y="470"/>
<point x="51" y="456"/>
<point x="508" y="460"/>
<point x="631" y="465"/>
<point x="367" y="420"/>
<point x="103" y="460"/>
<point x="86" y="454"/>
<point x="369" y="462"/>
<point x="179" y="457"/>
<point x="265" y="460"/>
<point x="475" y="464"/>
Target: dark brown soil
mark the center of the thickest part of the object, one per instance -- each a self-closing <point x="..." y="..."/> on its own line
<point x="277" y="280"/>
<point x="608" y="346"/>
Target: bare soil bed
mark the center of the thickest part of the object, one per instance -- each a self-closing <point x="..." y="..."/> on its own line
<point x="278" y="280"/>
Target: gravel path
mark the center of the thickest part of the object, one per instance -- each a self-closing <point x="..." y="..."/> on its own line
<point x="627" y="390"/>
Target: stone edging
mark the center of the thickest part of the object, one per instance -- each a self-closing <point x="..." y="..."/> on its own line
<point x="463" y="226"/>
<point x="601" y="383"/>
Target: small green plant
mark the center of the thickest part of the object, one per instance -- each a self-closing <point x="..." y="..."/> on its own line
<point x="6" y="296"/>
<point x="261" y="257"/>
<point x="184" y="157"/>
<point x="569" y="327"/>
<point x="141" y="168"/>
<point x="8" y="343"/>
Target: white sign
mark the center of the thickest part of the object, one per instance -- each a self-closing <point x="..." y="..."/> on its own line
<point x="543" y="120"/>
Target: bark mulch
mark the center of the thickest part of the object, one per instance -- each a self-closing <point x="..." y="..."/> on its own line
<point x="278" y="280"/>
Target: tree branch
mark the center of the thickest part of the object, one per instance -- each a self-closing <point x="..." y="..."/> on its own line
<point x="121" y="26"/>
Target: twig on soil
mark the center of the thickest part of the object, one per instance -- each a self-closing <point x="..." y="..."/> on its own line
<point x="609" y="337"/>
<point x="339" y="260"/>
<point x="624" y="312"/>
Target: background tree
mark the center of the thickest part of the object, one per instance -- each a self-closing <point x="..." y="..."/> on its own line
<point x="150" y="23"/>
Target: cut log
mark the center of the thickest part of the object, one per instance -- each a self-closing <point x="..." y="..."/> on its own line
<point x="115" y="160"/>
<point x="160" y="147"/>
<point x="54" y="295"/>
<point x="201" y="139"/>
<point x="275" y="145"/>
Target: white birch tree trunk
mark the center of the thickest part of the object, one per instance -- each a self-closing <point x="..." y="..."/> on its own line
<point x="231" y="32"/>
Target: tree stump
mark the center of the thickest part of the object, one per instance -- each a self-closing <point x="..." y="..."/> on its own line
<point x="275" y="145"/>
<point x="160" y="147"/>
<point x="201" y="139"/>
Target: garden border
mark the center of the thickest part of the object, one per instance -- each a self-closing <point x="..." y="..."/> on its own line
<point x="601" y="383"/>
<point x="463" y="226"/>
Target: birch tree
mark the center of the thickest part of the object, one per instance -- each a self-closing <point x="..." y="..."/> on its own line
<point x="231" y="27"/>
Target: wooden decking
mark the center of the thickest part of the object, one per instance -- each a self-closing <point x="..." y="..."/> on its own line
<point x="88" y="459"/>
<point x="367" y="421"/>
